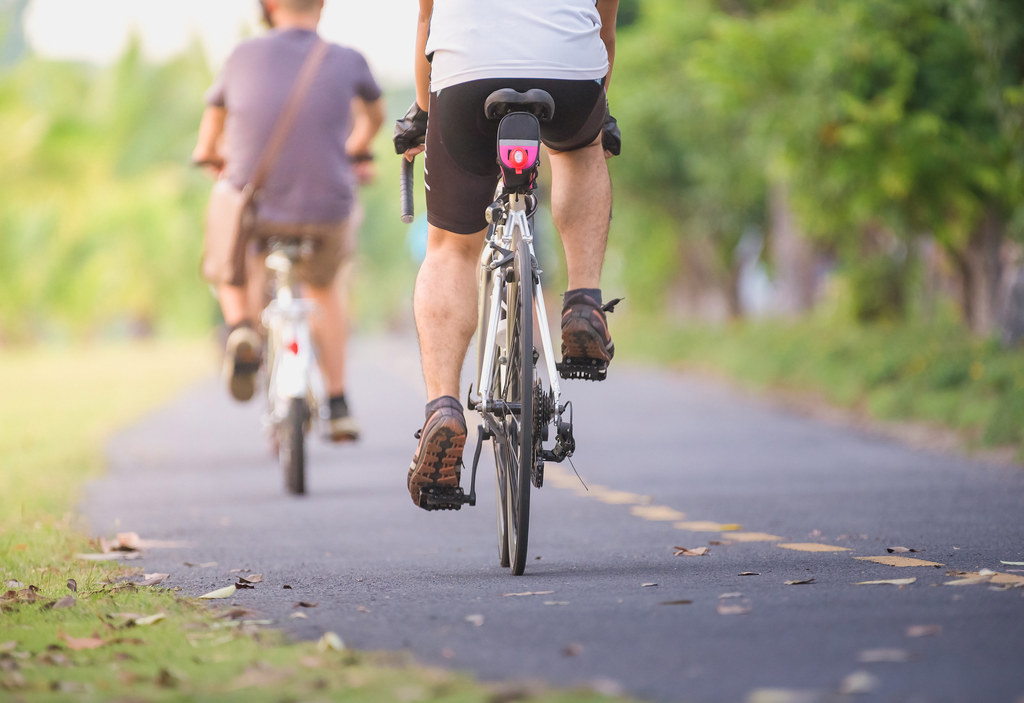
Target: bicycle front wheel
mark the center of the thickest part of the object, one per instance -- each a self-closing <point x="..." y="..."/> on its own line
<point x="291" y="446"/>
<point x="516" y="451"/>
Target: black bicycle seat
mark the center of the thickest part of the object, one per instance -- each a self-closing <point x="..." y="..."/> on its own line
<point x="505" y="100"/>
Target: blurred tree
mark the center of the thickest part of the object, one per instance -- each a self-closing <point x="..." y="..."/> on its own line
<point x="102" y="214"/>
<point x="869" y="123"/>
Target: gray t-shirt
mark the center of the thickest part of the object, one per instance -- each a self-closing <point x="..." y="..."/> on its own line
<point x="311" y="181"/>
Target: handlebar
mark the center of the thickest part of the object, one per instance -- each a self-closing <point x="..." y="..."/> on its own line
<point x="405" y="191"/>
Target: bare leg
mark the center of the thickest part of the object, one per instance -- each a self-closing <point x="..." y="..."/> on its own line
<point x="444" y="304"/>
<point x="234" y="304"/>
<point x="331" y="327"/>
<point x="581" y="201"/>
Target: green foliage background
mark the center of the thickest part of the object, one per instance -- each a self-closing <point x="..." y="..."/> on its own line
<point x="101" y="215"/>
<point x="886" y="123"/>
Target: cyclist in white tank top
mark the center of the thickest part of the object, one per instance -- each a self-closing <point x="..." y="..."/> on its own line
<point x="464" y="50"/>
<point x="473" y="39"/>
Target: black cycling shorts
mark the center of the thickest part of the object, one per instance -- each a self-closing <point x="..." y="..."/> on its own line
<point x="460" y="165"/>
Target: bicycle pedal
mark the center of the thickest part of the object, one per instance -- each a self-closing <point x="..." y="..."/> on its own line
<point x="583" y="368"/>
<point x="443" y="498"/>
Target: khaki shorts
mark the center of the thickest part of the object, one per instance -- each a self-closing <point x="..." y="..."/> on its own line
<point x="333" y="243"/>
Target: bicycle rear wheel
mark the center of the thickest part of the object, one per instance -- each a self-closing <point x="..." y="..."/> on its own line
<point x="291" y="446"/>
<point x="516" y="452"/>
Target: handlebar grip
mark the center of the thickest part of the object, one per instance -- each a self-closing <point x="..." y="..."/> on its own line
<point x="405" y="185"/>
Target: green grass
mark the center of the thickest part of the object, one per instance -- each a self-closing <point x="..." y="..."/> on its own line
<point x="936" y="374"/>
<point x="58" y="409"/>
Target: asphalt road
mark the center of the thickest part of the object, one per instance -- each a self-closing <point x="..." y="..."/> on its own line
<point x="670" y="461"/>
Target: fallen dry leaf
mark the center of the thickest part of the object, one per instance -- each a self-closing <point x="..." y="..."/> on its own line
<point x="305" y="604"/>
<point x="924" y="630"/>
<point x="800" y="582"/>
<point x="298" y="615"/>
<point x="857" y="683"/>
<point x="900" y="561"/>
<point x="123" y="542"/>
<point x="1012" y="563"/>
<point x="1008" y="579"/>
<point x="153" y="579"/>
<point x="648" y="585"/>
<point x="65" y="602"/>
<point x="252" y="578"/>
<point x="969" y="581"/>
<point x="476" y="620"/>
<point x="877" y="656"/>
<point x="204" y="565"/>
<point x="889" y="582"/>
<point x="528" y="593"/>
<point x="900" y="550"/>
<point x="330" y="642"/>
<point x="812" y="547"/>
<point x="80" y="643"/>
<point x="687" y="552"/>
<point x="242" y="584"/>
<point x="749" y="573"/>
<point x="225" y="592"/>
<point x="150" y="619"/>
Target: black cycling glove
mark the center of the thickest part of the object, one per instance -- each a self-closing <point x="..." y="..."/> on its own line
<point x="611" y="139"/>
<point x="411" y="130"/>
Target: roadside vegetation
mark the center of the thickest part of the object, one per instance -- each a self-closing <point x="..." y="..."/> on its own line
<point x="928" y="383"/>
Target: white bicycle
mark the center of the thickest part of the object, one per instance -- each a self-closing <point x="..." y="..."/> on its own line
<point x="295" y="389"/>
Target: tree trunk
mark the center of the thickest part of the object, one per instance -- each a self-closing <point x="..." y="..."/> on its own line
<point x="981" y="275"/>
<point x="792" y="255"/>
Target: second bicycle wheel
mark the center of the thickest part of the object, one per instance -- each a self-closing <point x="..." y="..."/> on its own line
<point x="516" y="449"/>
<point x="291" y="450"/>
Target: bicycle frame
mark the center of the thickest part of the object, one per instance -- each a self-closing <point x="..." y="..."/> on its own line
<point x="293" y="372"/>
<point x="494" y="258"/>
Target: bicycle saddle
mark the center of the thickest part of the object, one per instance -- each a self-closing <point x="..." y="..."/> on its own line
<point x="505" y="100"/>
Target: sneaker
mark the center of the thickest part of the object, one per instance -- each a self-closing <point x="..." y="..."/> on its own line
<point x="341" y="427"/>
<point x="438" y="459"/>
<point x="242" y="361"/>
<point x="587" y="345"/>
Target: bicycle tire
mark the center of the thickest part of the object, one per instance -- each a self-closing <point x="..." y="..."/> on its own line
<point x="291" y="446"/>
<point x="483" y="311"/>
<point x="516" y="451"/>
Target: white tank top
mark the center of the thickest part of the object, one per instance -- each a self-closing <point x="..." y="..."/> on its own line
<point x="474" y="39"/>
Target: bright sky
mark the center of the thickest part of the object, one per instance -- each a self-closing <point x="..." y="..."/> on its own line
<point x="98" y="30"/>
